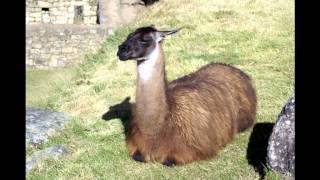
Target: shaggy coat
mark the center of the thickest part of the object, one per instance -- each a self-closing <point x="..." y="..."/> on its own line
<point x="187" y="119"/>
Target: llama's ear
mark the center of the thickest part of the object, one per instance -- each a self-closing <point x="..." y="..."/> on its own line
<point x="127" y="99"/>
<point x="172" y="32"/>
<point x="162" y="34"/>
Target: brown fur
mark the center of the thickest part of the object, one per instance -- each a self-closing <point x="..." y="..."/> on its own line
<point x="190" y="118"/>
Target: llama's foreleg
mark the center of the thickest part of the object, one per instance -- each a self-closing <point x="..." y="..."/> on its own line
<point x="132" y="147"/>
<point x="169" y="163"/>
<point x="137" y="156"/>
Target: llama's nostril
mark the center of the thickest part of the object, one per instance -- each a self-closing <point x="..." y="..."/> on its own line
<point x="123" y="48"/>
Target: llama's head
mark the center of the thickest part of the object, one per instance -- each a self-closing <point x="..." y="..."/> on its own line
<point x="141" y="43"/>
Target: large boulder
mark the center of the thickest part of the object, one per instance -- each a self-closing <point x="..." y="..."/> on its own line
<point x="281" y="145"/>
<point x="40" y="123"/>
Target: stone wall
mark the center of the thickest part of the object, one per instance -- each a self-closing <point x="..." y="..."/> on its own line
<point x="56" y="36"/>
<point x="62" y="12"/>
<point x="60" y="45"/>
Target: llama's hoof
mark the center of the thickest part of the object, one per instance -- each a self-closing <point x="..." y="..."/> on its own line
<point x="137" y="157"/>
<point x="169" y="163"/>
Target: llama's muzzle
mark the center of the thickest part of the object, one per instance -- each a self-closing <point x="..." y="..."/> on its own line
<point x="123" y="53"/>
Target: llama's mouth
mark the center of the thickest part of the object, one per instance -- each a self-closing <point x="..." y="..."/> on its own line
<point x="123" y="56"/>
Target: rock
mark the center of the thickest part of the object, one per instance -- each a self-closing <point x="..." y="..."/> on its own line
<point x="52" y="152"/>
<point x="281" y="145"/>
<point x="40" y="123"/>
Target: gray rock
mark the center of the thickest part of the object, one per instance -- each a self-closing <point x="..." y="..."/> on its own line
<point x="51" y="152"/>
<point x="281" y="145"/>
<point x="40" y="123"/>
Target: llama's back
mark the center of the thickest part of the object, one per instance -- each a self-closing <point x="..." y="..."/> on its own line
<point x="211" y="105"/>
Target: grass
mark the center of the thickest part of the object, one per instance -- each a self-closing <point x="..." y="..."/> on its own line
<point x="254" y="35"/>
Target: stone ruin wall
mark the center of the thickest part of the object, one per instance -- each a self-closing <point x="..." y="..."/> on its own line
<point x="58" y="46"/>
<point x="57" y="37"/>
<point x="61" y="12"/>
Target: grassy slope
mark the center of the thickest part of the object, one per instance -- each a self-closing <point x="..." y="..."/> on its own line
<point x="254" y="35"/>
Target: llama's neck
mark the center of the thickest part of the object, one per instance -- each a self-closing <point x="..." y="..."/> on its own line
<point x="151" y="99"/>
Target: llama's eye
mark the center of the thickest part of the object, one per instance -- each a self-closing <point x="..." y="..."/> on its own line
<point x="146" y="38"/>
<point x="144" y="42"/>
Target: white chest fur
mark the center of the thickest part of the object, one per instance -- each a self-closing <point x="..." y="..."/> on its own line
<point x="146" y="68"/>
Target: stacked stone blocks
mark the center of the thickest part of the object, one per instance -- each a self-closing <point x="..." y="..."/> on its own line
<point x="60" y="46"/>
<point x="61" y="11"/>
<point x="60" y="32"/>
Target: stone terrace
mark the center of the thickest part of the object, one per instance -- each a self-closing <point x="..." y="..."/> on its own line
<point x="61" y="45"/>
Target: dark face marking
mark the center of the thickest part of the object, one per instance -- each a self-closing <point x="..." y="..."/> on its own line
<point x="138" y="44"/>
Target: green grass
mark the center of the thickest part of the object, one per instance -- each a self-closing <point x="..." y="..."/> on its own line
<point x="256" y="36"/>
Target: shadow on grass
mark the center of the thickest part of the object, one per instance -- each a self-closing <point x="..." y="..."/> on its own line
<point x="120" y="111"/>
<point x="257" y="147"/>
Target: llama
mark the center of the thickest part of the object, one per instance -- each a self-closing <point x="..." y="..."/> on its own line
<point x="187" y="119"/>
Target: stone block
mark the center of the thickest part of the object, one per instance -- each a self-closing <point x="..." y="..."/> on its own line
<point x="45" y="57"/>
<point x="52" y="39"/>
<point x="70" y="21"/>
<point x="93" y="31"/>
<point x="75" y="37"/>
<point x="67" y="50"/>
<point x="70" y="9"/>
<point x="42" y="32"/>
<point x="38" y="19"/>
<point x="36" y="46"/>
<point x="55" y="57"/>
<point x="39" y="61"/>
<point x="37" y="14"/>
<point x="53" y="62"/>
<point x="46" y="51"/>
<point x="30" y="62"/>
<point x="78" y="4"/>
<point x="44" y="4"/>
<point x="62" y="63"/>
<point x="75" y="51"/>
<point x="31" y="19"/>
<point x="54" y="10"/>
<point x="56" y="4"/>
<point x="29" y="42"/>
<point x="46" y="18"/>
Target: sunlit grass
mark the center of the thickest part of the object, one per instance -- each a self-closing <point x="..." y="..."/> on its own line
<point x="256" y="36"/>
